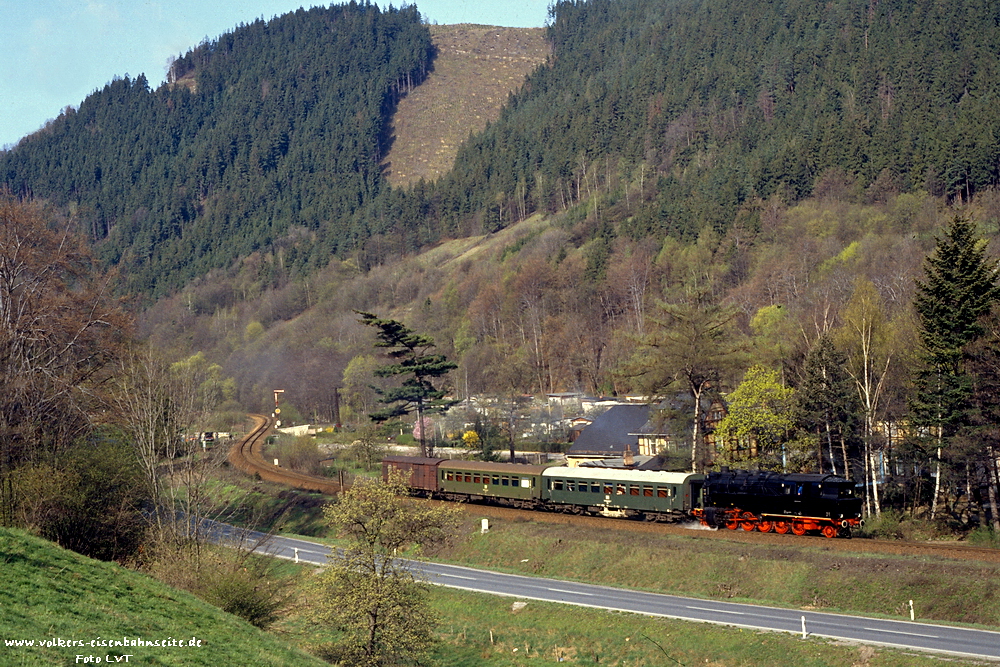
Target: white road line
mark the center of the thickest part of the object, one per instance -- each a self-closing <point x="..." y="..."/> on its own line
<point x="897" y="632"/>
<point x="721" y="611"/>
<point x="456" y="576"/>
<point x="559" y="590"/>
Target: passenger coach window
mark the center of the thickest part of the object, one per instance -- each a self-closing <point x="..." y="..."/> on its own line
<point x="595" y="487"/>
<point x="661" y="492"/>
<point x="496" y="479"/>
<point x="450" y="476"/>
<point x="475" y="479"/>
<point x="504" y="481"/>
<point x="570" y="485"/>
<point x="557" y="485"/>
<point x="468" y="478"/>
<point x="633" y="490"/>
<point x="526" y="483"/>
<point x="608" y="489"/>
<point x="620" y="490"/>
<point x="647" y="491"/>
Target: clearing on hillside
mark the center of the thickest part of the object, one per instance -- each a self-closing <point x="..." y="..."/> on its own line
<point x="476" y="68"/>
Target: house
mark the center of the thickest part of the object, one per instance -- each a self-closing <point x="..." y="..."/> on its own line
<point x="641" y="432"/>
<point x="609" y="435"/>
<point x="669" y="427"/>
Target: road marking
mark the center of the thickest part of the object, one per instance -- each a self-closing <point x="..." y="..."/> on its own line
<point x="897" y="632"/>
<point x="721" y="611"/>
<point x="559" y="590"/>
<point x="456" y="576"/>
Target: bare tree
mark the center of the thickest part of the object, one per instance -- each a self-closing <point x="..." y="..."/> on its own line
<point x="59" y="332"/>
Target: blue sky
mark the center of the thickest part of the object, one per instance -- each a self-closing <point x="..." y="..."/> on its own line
<point x="53" y="53"/>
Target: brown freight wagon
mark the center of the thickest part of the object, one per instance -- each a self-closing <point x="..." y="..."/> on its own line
<point x="422" y="471"/>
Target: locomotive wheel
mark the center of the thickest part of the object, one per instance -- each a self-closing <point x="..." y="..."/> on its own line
<point x="748" y="521"/>
<point x="829" y="531"/>
<point x="782" y="527"/>
<point x="765" y="526"/>
<point x="733" y="524"/>
<point x="798" y="528"/>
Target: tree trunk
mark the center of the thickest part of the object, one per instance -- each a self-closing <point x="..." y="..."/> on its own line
<point x="937" y="474"/>
<point x="696" y="431"/>
<point x="991" y="476"/>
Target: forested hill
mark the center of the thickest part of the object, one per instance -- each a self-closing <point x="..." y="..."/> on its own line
<point x="273" y="131"/>
<point x="656" y="117"/>
<point x="723" y="101"/>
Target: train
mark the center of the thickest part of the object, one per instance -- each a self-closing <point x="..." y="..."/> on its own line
<point x="732" y="499"/>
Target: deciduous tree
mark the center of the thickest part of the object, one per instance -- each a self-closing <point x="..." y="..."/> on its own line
<point x="758" y="420"/>
<point x="60" y="331"/>
<point x="690" y="347"/>
<point x="368" y="592"/>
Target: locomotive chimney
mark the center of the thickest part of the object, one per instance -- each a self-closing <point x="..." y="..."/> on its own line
<point x="627" y="458"/>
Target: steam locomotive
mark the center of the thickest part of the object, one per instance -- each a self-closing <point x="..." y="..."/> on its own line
<point x="739" y="499"/>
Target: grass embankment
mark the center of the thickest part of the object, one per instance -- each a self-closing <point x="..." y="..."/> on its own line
<point x="478" y="630"/>
<point x="50" y="593"/>
<point x="796" y="576"/>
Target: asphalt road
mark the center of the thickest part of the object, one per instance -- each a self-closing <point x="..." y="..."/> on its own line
<point x="901" y="634"/>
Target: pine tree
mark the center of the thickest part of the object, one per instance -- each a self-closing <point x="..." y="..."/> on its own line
<point x="827" y="402"/>
<point x="411" y="351"/>
<point x="959" y="288"/>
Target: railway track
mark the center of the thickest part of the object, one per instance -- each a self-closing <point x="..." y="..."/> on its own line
<point x="246" y="455"/>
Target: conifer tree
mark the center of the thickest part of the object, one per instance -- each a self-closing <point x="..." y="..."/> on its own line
<point x="411" y="352"/>
<point x="827" y="403"/>
<point x="959" y="288"/>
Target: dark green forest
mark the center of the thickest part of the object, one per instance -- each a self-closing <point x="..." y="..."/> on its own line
<point x="270" y="135"/>
<point x="717" y="103"/>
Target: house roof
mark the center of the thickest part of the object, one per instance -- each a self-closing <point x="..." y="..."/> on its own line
<point x="609" y="433"/>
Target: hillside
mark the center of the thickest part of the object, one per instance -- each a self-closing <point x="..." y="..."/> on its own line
<point x="51" y="594"/>
<point x="660" y="118"/>
<point x="475" y="69"/>
<point x="270" y="136"/>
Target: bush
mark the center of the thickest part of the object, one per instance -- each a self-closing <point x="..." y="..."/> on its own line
<point x="236" y="581"/>
<point x="984" y="536"/>
<point x="90" y="501"/>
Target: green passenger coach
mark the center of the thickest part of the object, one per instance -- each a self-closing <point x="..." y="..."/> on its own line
<point x="514" y="485"/>
<point x="651" y="495"/>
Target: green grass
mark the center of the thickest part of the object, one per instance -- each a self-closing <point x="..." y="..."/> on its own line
<point x="48" y="592"/>
<point x="796" y="576"/>
<point x="479" y="630"/>
<point x="540" y="633"/>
